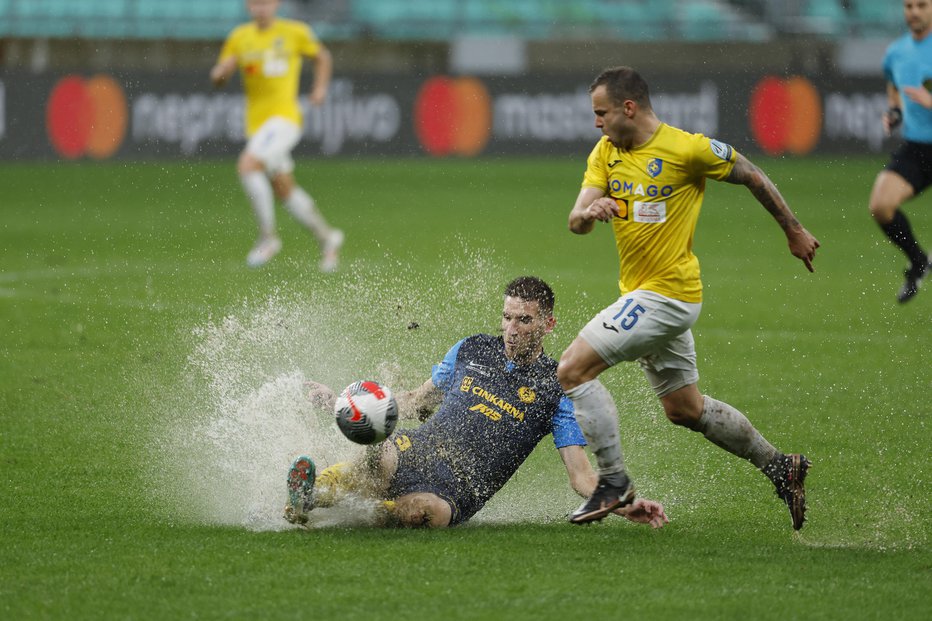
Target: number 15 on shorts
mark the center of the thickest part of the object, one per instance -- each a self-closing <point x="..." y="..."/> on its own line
<point x="627" y="317"/>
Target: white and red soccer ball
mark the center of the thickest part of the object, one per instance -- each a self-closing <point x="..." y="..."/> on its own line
<point x="366" y="412"/>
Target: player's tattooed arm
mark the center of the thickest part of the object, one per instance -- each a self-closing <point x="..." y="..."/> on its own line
<point x="802" y="244"/>
<point x="764" y="190"/>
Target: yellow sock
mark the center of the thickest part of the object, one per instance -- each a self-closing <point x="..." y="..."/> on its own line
<point x="332" y="483"/>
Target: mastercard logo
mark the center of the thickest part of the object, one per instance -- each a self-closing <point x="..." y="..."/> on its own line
<point x="86" y="117"/>
<point x="786" y="115"/>
<point x="453" y="116"/>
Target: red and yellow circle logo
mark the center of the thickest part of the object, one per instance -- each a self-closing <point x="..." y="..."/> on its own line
<point x="786" y="115"/>
<point x="453" y="116"/>
<point x="86" y="117"/>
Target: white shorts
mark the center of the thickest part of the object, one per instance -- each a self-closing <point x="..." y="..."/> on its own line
<point x="272" y="144"/>
<point x="652" y="329"/>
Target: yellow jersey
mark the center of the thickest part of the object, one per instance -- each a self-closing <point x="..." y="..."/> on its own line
<point x="659" y="187"/>
<point x="270" y="65"/>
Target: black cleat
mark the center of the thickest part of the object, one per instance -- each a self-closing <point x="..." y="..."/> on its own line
<point x="605" y="499"/>
<point x="914" y="276"/>
<point x="788" y="472"/>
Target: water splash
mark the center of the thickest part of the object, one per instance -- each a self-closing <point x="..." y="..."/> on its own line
<point x="238" y="416"/>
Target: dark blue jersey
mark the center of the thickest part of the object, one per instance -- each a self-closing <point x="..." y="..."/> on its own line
<point x="493" y="414"/>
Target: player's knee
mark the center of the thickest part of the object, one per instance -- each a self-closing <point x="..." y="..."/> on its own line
<point x="567" y="374"/>
<point x="422" y="511"/>
<point x="248" y="163"/>
<point x="682" y="417"/>
<point x="882" y="210"/>
<point x="571" y="372"/>
<point x="683" y="412"/>
<point x="282" y="185"/>
<point x="579" y="364"/>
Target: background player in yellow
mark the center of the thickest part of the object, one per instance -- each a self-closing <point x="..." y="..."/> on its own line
<point x="648" y="179"/>
<point x="268" y="51"/>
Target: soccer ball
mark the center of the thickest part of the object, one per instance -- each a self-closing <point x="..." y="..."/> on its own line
<point x="366" y="412"/>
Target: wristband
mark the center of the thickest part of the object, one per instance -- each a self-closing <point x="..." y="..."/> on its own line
<point x="894" y="116"/>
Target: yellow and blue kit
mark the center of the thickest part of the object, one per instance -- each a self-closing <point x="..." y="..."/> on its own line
<point x="270" y="61"/>
<point x="659" y="187"/>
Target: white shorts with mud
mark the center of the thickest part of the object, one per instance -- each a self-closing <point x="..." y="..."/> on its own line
<point x="272" y="144"/>
<point x="652" y="329"/>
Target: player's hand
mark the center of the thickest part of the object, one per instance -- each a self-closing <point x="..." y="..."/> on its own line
<point x="318" y="96"/>
<point x="602" y="209"/>
<point x="217" y="76"/>
<point x="222" y="71"/>
<point x="891" y="119"/>
<point x="643" y="511"/>
<point x="920" y="95"/>
<point x="319" y="395"/>
<point x="803" y="245"/>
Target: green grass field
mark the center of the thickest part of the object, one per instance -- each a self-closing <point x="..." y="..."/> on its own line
<point x="150" y="400"/>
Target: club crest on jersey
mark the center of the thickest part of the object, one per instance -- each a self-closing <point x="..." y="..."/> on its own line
<point x="720" y="149"/>
<point x="527" y="395"/>
<point x="655" y="167"/>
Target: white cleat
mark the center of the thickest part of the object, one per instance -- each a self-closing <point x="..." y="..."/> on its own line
<point x="263" y="252"/>
<point x="330" y="251"/>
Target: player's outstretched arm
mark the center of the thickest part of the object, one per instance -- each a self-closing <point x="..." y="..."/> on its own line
<point x="802" y="244"/>
<point x="323" y="70"/>
<point x="420" y="403"/>
<point x="920" y="95"/>
<point x="319" y="395"/>
<point x="222" y="71"/>
<point x="643" y="511"/>
<point x="591" y="205"/>
<point x="583" y="479"/>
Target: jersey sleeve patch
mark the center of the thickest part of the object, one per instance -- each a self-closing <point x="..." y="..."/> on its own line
<point x="721" y="150"/>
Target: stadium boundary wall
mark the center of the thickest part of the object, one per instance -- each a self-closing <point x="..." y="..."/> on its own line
<point x="145" y="115"/>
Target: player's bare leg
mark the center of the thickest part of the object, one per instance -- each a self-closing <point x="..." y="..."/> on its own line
<point x="419" y="510"/>
<point x="889" y="192"/>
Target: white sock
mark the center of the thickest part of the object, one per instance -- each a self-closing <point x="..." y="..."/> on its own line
<point x="259" y="190"/>
<point x="302" y="207"/>
<point x="598" y="419"/>
<point x="728" y="428"/>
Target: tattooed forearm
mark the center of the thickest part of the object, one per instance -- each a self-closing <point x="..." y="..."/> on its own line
<point x="769" y="196"/>
<point x="747" y="174"/>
